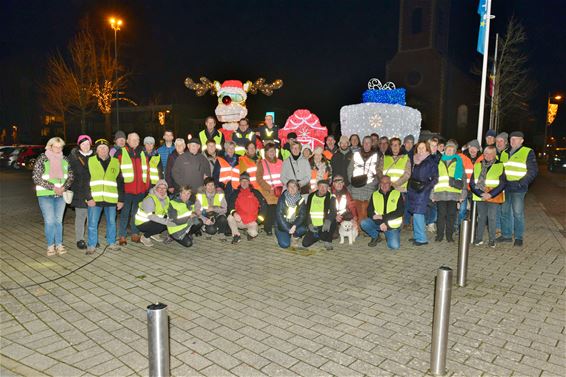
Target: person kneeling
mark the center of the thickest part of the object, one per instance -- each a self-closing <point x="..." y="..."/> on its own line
<point x="211" y="207"/>
<point x="246" y="208"/>
<point x="290" y="216"/>
<point x="321" y="216"/>
<point x="385" y="215"/>
<point x="151" y="216"/>
<point x="183" y="222"/>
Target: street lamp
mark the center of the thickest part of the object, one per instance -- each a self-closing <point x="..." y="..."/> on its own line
<point x="551" y="110"/>
<point x="116" y="24"/>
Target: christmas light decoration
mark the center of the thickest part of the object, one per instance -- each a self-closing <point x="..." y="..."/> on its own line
<point x="307" y="127"/>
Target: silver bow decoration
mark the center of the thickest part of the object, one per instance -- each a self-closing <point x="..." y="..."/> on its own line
<point x="376" y="84"/>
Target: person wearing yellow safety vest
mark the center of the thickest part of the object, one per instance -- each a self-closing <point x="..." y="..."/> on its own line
<point x="105" y="193"/>
<point x="151" y="217"/>
<point x="246" y="208"/>
<point x="487" y="185"/>
<point x="211" y="133"/>
<point x="286" y="148"/>
<point x="248" y="163"/>
<point x="520" y="170"/>
<point x="211" y="205"/>
<point x="449" y="192"/>
<point x="270" y="185"/>
<point x="321" y="216"/>
<point x="52" y="176"/>
<point x="226" y="172"/>
<point x="135" y="171"/>
<point x="396" y="165"/>
<point x="290" y="216"/>
<point x="182" y="221"/>
<point x="268" y="133"/>
<point x="154" y="160"/>
<point x="242" y="136"/>
<point x="385" y="214"/>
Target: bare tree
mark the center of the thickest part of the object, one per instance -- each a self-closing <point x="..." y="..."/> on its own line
<point x="55" y="91"/>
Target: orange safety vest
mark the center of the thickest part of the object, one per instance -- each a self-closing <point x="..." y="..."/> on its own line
<point x="229" y="174"/>
<point x="314" y="173"/>
<point x="248" y="165"/>
<point x="273" y="179"/>
<point x="327" y="154"/>
<point x="469" y="166"/>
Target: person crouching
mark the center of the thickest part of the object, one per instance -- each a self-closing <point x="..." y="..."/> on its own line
<point x="182" y="221"/>
<point x="321" y="216"/>
<point x="290" y="216"/>
<point x="246" y="208"/>
<point x="152" y="212"/>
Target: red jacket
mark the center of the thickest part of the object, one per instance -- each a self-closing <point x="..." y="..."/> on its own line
<point x="137" y="186"/>
<point x="247" y="206"/>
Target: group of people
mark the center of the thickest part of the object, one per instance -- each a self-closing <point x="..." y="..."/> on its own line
<point x="208" y="186"/>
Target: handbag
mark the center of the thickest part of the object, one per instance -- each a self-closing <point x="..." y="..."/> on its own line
<point x="416" y="185"/>
<point x="456" y="183"/>
<point x="277" y="190"/>
<point x="68" y="196"/>
<point x="304" y="189"/>
<point x="360" y="180"/>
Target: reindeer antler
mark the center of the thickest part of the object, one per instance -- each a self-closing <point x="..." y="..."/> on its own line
<point x="264" y="87"/>
<point x="200" y="88"/>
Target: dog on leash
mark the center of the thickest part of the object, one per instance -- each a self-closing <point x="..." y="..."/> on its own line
<point x="348" y="229"/>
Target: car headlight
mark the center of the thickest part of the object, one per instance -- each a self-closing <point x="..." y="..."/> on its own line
<point x="557" y="159"/>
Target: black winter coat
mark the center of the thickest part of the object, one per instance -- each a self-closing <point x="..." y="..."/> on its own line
<point x="281" y="210"/>
<point x="81" y="182"/>
<point x="427" y="172"/>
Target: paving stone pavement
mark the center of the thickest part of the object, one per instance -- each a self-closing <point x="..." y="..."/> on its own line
<point x="255" y="310"/>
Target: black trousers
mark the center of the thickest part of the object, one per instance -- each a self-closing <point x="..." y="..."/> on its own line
<point x="151" y="228"/>
<point x="220" y="226"/>
<point x="447" y="212"/>
<point x="311" y="237"/>
<point x="269" y="217"/>
<point x="186" y="241"/>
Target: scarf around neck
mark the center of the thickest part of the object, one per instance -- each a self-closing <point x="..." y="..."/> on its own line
<point x="292" y="200"/>
<point x="55" y="164"/>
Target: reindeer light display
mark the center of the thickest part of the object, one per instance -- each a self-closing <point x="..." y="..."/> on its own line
<point x="232" y="96"/>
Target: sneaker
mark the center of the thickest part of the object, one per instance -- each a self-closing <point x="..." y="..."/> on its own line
<point x="518" y="243"/>
<point x="478" y="243"/>
<point x="81" y="245"/>
<point x="328" y="246"/>
<point x="373" y="242"/>
<point x="417" y="243"/>
<point x="90" y="250"/>
<point x="114" y="247"/>
<point x="294" y="242"/>
<point x="51" y="251"/>
<point x="122" y="241"/>
<point x="146" y="241"/>
<point x="136" y="238"/>
<point x="60" y="249"/>
<point x="236" y="239"/>
<point x="157" y="238"/>
<point x="492" y="244"/>
<point x="504" y="239"/>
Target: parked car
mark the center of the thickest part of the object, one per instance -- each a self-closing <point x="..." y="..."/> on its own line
<point x="10" y="157"/>
<point x="27" y="156"/>
<point x="557" y="160"/>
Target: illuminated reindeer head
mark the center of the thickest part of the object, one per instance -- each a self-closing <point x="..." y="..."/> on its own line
<point x="232" y="95"/>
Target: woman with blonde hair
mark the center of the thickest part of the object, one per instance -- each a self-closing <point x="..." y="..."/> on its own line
<point x="320" y="168"/>
<point x="52" y="176"/>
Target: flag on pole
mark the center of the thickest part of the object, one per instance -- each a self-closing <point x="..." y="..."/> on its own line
<point x="551" y="113"/>
<point x="482" y="11"/>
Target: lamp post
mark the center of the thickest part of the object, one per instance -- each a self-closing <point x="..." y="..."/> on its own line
<point x="547" y="121"/>
<point x="115" y="24"/>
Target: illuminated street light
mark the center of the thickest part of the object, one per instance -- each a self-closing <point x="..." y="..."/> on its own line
<point x="116" y="24"/>
<point x="551" y="111"/>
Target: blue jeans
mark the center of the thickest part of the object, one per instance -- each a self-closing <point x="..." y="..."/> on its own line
<point x="93" y="220"/>
<point x="431" y="213"/>
<point x="419" y="233"/>
<point x="128" y="213"/>
<point x="461" y="214"/>
<point x="513" y="215"/>
<point x="392" y="236"/>
<point x="52" y="209"/>
<point x="284" y="238"/>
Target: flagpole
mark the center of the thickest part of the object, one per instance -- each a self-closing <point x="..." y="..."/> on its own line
<point x="484" y="72"/>
<point x="492" y="125"/>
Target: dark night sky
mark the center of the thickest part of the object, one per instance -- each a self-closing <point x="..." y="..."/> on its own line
<point x="325" y="51"/>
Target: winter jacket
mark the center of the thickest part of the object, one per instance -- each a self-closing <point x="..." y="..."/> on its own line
<point x="370" y="169"/>
<point x="138" y="186"/>
<point x="339" y="162"/>
<point x="81" y="181"/>
<point x="522" y="185"/>
<point x="218" y="210"/>
<point x="459" y="174"/>
<point x="119" y="182"/>
<point x="427" y="172"/>
<point x="211" y="159"/>
<point x="39" y="170"/>
<point x="493" y="192"/>
<point x="168" y="171"/>
<point x="404" y="178"/>
<point x="281" y="210"/>
<point x="248" y="203"/>
<point x="148" y="206"/>
<point x="350" y="206"/>
<point x="329" y="208"/>
<point x="399" y="211"/>
<point x="264" y="187"/>
<point x="190" y="170"/>
<point x="233" y="161"/>
<point x="299" y="169"/>
<point x="164" y="152"/>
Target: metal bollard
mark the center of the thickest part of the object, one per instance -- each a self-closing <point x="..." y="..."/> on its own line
<point x="440" y="323"/>
<point x="473" y="220"/>
<point x="463" y="249"/>
<point x="158" y="340"/>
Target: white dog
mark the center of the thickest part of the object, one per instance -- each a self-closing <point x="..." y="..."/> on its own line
<point x="348" y="229"/>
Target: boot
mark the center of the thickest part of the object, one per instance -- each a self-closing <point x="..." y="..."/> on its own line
<point x="122" y="241"/>
<point x="135" y="238"/>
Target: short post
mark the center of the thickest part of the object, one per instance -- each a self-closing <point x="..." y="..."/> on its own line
<point x="473" y="220"/>
<point x="463" y="249"/>
<point x="440" y="323"/>
<point x="158" y="340"/>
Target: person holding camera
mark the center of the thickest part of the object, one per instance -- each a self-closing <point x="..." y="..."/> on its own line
<point x="211" y="206"/>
